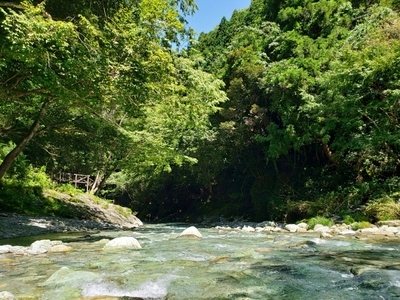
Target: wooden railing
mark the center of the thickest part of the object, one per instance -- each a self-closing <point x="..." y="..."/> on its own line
<point x="78" y="180"/>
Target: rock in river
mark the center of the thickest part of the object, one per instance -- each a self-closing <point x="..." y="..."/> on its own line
<point x="7" y="296"/>
<point x="123" y="242"/>
<point x="191" y="232"/>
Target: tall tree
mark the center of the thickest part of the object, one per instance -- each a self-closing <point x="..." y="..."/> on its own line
<point x="116" y="69"/>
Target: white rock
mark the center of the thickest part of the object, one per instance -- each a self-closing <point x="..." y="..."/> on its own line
<point x="268" y="228"/>
<point x="325" y="235"/>
<point x="42" y="246"/>
<point x="223" y="227"/>
<point x="191" y="232"/>
<point x="123" y="242"/>
<point x="369" y="230"/>
<point x="18" y="250"/>
<point x="5" y="249"/>
<point x="321" y="228"/>
<point x="248" y="228"/>
<point x="7" y="296"/>
<point x="303" y="225"/>
<point x="383" y="233"/>
<point x="291" y="227"/>
<point x="347" y="232"/>
<point x="383" y="227"/>
<point x="392" y="229"/>
<point x="338" y="230"/>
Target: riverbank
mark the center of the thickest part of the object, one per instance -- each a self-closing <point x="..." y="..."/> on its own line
<point x="87" y="213"/>
<point x="15" y="225"/>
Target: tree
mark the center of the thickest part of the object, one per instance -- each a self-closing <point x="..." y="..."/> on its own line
<point x="40" y="68"/>
<point x="108" y="75"/>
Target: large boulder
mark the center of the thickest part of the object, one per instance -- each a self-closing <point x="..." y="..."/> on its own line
<point x="123" y="242"/>
<point x="292" y="227"/>
<point x="66" y="284"/>
<point x="191" y="232"/>
<point x="42" y="246"/>
<point x="303" y="225"/>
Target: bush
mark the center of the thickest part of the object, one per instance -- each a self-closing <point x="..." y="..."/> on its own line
<point x="68" y="189"/>
<point x="347" y="219"/>
<point x="296" y="211"/>
<point x="383" y="209"/>
<point x="319" y="220"/>
<point x="361" y="225"/>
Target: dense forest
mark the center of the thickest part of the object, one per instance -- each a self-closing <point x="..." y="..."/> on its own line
<point x="286" y="110"/>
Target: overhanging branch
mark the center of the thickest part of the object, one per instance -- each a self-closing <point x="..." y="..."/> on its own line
<point x="10" y="4"/>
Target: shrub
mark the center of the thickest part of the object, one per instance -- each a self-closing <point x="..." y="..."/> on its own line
<point x="68" y="189"/>
<point x="348" y="219"/>
<point x="296" y="211"/>
<point x="385" y="208"/>
<point x="361" y="225"/>
<point x="319" y="220"/>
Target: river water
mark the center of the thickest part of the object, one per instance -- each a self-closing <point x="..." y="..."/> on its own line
<point x="222" y="265"/>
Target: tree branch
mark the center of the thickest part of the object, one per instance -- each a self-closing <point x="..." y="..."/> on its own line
<point x="12" y="155"/>
<point x="10" y="4"/>
<point x="60" y="124"/>
<point x="32" y="92"/>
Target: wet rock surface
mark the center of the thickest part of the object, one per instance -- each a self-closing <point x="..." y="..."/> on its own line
<point x="92" y="215"/>
<point x="13" y="225"/>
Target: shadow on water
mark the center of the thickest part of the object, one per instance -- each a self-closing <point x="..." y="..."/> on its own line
<point x="70" y="237"/>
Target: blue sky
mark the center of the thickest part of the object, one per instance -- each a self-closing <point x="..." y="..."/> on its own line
<point x="210" y="13"/>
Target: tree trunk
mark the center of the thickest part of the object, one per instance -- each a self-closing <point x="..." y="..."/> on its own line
<point x="10" y="157"/>
<point x="103" y="174"/>
<point x="328" y="154"/>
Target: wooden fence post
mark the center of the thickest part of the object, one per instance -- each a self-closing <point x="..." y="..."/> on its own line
<point x="87" y="183"/>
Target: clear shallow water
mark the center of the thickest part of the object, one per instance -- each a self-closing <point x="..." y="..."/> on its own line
<point x="222" y="265"/>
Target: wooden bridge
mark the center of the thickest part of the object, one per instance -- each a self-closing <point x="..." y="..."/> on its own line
<point x="78" y="180"/>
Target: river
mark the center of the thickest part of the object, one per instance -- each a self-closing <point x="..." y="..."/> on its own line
<point x="224" y="264"/>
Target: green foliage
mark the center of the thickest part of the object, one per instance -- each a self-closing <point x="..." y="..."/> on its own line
<point x="22" y="189"/>
<point x="20" y="167"/>
<point x="313" y="86"/>
<point x="319" y="220"/>
<point x="68" y="189"/>
<point x="347" y="219"/>
<point x="300" y="210"/>
<point x="109" y="85"/>
<point x="307" y="124"/>
<point x="383" y="209"/>
<point x="361" y="225"/>
<point x="23" y="173"/>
